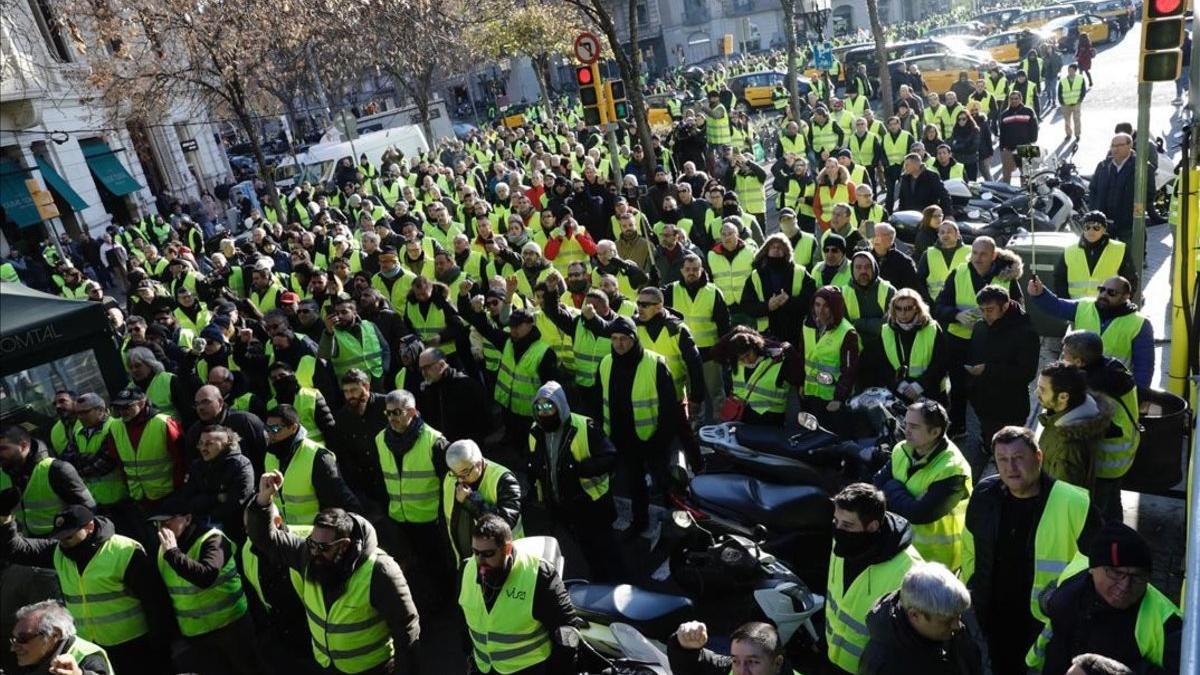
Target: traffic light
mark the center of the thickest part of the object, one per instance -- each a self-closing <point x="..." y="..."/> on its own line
<point x="1162" y="40"/>
<point x="614" y="94"/>
<point x="588" y="79"/>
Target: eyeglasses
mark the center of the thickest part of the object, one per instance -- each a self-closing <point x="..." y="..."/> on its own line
<point x="484" y="554"/>
<point x="1135" y="578"/>
<point x="905" y="308"/>
<point x="322" y="546"/>
<point x="274" y="428"/>
<point x="394" y="412"/>
<point x="24" y="638"/>
<point x="1109" y="292"/>
<point x="544" y="407"/>
<point x="462" y="475"/>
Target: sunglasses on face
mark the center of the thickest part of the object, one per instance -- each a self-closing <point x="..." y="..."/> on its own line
<point x="24" y="638"/>
<point x="643" y="303"/>
<point x="544" y="407"/>
<point x="1110" y="292"/>
<point x="321" y="547"/>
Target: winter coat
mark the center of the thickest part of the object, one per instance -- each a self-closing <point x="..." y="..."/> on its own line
<point x="565" y="490"/>
<point x="1006" y="271"/>
<point x="1112" y="191"/>
<point x="964" y="145"/>
<point x="1018" y="126"/>
<point x="1068" y="439"/>
<point x="1009" y="351"/>
<point x="458" y="406"/>
<point x="924" y="190"/>
<point x="896" y="648"/>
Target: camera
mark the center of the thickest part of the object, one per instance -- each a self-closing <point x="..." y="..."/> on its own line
<point x="1028" y="151"/>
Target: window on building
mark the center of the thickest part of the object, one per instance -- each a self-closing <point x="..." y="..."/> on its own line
<point x="843" y="20"/>
<point x="52" y="33"/>
<point x="743" y="5"/>
<point x="643" y="12"/>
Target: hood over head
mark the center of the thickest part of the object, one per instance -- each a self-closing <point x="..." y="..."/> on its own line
<point x="832" y="295"/>
<point x="553" y="392"/>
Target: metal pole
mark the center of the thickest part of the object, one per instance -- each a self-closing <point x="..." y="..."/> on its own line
<point x="1140" y="177"/>
<point x="614" y="153"/>
<point x="1189" y="658"/>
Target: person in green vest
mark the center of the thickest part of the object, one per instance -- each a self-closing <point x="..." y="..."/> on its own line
<point x="315" y="482"/>
<point x="834" y="267"/>
<point x="754" y="649"/>
<point x="760" y="377"/>
<point x="148" y="444"/>
<point x="1072" y="424"/>
<point x="872" y="551"/>
<point x="315" y="414"/>
<point x="475" y="487"/>
<point x="360" y="611"/>
<point x="946" y="166"/>
<point x="867" y="299"/>
<point x="921" y="627"/>
<point x="164" y="389"/>
<point x="703" y="308"/>
<point x="351" y="342"/>
<point x="640" y="410"/>
<point x="717" y="132"/>
<point x="914" y="347"/>
<point x="778" y="293"/>
<point x="1112" y="609"/>
<point x="109" y="585"/>
<point x="831" y="356"/>
<point x="1091" y="260"/>
<point x="198" y="564"/>
<point x="94" y="454"/>
<point x="411" y="456"/>
<point x="570" y="464"/>
<point x="749" y="183"/>
<point x="33" y="485"/>
<point x="937" y="261"/>
<point x="44" y="640"/>
<point x="1022" y="529"/>
<point x="62" y="432"/>
<point x="515" y="604"/>
<point x="928" y="482"/>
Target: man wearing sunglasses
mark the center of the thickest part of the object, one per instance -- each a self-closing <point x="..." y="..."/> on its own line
<point x="1085" y="264"/>
<point x="515" y="604"/>
<point x="474" y="487"/>
<point x="360" y="611"/>
<point x="314" y="480"/>
<point x="1111" y="313"/>
<point x="44" y="641"/>
<point x="1111" y="609"/>
<point x="147" y="442"/>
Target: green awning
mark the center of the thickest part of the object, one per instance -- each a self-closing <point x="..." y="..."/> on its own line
<point x="14" y="196"/>
<point x="107" y="168"/>
<point x="59" y="185"/>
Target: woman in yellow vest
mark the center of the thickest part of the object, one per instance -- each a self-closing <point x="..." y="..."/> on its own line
<point x="915" y="349"/>
<point x="830" y="358"/>
<point x="833" y="187"/>
<point x="759" y="379"/>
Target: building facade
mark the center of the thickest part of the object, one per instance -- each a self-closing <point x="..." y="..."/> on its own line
<point x="98" y="173"/>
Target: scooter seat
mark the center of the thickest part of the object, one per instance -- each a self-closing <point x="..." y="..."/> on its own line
<point x="780" y="508"/>
<point x="780" y="441"/>
<point x="608" y="603"/>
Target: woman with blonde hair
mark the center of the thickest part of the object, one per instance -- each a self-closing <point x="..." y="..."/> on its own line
<point x="915" y="349"/>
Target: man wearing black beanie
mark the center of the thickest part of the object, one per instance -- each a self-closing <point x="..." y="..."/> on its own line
<point x="1111" y="609"/>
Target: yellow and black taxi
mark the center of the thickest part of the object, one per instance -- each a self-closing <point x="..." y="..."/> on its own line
<point x="1036" y="18"/>
<point x="1009" y="46"/>
<point x="658" y="112"/>
<point x="1067" y="29"/>
<point x="997" y="19"/>
<point x="1121" y="11"/>
<point x="974" y="27"/>
<point x="940" y="71"/>
<point x="754" y="90"/>
<point x="900" y="51"/>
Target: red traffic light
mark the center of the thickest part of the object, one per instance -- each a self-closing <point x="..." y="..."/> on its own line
<point x="583" y="76"/>
<point x="1160" y="8"/>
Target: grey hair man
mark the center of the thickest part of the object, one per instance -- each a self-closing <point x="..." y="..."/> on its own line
<point x="919" y="628"/>
<point x="475" y="486"/>
<point x="44" y="641"/>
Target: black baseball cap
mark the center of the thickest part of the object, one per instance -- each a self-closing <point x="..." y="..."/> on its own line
<point x="69" y="520"/>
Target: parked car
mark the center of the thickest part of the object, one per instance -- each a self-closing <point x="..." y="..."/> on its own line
<point x="1122" y="11"/>
<point x="965" y="28"/>
<point x="1036" y="18"/>
<point x="998" y="19"/>
<point x="754" y="90"/>
<point x="904" y="50"/>
<point x="1009" y="46"/>
<point x="940" y="71"/>
<point x="1066" y="30"/>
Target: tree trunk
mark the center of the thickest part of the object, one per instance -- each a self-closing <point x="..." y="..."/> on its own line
<point x="885" y="75"/>
<point x="793" y="65"/>
<point x="541" y="68"/>
<point x="422" y="96"/>
<point x="251" y="129"/>
<point x="630" y="67"/>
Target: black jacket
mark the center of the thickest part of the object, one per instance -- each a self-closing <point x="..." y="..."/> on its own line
<point x="983" y="522"/>
<point x="464" y="514"/>
<point x="1009" y="350"/>
<point x="328" y="485"/>
<point x="248" y="427"/>
<point x="1018" y="126"/>
<point x="939" y="499"/>
<point x="95" y="664"/>
<point x="1111" y="191"/>
<point x="897" y="268"/>
<point x="1092" y="253"/>
<point x="354" y="437"/>
<point x="1083" y="623"/>
<point x="64" y="479"/>
<point x="924" y="190"/>
<point x="389" y="593"/>
<point x="141" y="579"/>
<point x="217" y="491"/>
<point x="458" y="406"/>
<point x="601" y="462"/>
<point x="778" y="275"/>
<point x="895" y="648"/>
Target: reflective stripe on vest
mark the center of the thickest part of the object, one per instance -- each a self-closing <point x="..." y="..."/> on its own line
<point x="846" y="608"/>
<point x="517" y="382"/>
<point x="109" y="488"/>
<point x="767" y="395"/>
<point x="862" y="151"/>
<point x="297" y="500"/>
<point x="506" y="638"/>
<point x="717" y="131"/>
<point x="1118" y="335"/>
<point x="751" y="193"/>
<point x="896" y="149"/>
<point x="643" y="399"/>
<point x="488" y="490"/>
<point x="941" y="540"/>
<point x="104" y="610"/>
<point x="351" y="635"/>
<point x="823" y="359"/>
<point x="429" y="324"/>
<point x="915" y="362"/>
<point x="1116" y="454"/>
<point x="595" y="486"/>
<point x="964" y="299"/>
<point x="730" y="277"/>
<point x="352" y="352"/>
<point x="1083" y="283"/>
<point x="589" y="350"/>
<point x="883" y="290"/>
<point x="1070" y="91"/>
<point x="413" y="487"/>
<point x="203" y="610"/>
<point x="149" y="469"/>
<point x="939" y="271"/>
<point x="698" y="312"/>
<point x="667" y="346"/>
<point x="39" y="502"/>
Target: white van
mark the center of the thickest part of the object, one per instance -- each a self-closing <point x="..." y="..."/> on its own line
<point x="319" y="162"/>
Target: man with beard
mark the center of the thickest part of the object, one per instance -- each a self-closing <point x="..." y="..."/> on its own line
<point x="309" y="402"/>
<point x="351" y="342"/>
<point x="515" y="604"/>
<point x="356" y="424"/>
<point x="360" y="622"/>
<point x="872" y="551"/>
<point x="867" y="299"/>
<point x="64" y="423"/>
<point x="314" y="482"/>
<point x="393" y="280"/>
<point x="34" y="486"/>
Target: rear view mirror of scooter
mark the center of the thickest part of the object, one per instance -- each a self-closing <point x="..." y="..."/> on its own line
<point x="807" y="421"/>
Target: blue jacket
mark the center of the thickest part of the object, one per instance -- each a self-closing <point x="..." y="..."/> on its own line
<point x="1143" y="344"/>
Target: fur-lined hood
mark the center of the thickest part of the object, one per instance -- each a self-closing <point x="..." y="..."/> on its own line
<point x="1086" y="422"/>
<point x="1008" y="266"/>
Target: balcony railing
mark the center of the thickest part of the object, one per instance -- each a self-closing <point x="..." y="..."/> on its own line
<point x="694" y="15"/>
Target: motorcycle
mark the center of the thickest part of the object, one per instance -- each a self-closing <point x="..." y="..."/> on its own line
<point x="774" y="485"/>
<point x="727" y="580"/>
<point x="635" y="655"/>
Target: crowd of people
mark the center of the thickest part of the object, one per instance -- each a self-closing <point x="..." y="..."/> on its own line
<point x="346" y="424"/>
